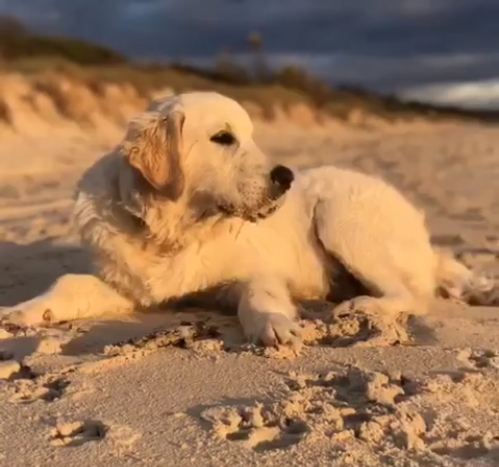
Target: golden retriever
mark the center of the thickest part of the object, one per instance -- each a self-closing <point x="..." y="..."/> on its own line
<point x="189" y="204"/>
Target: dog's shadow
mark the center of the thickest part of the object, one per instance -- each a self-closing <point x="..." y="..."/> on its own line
<point x="159" y="329"/>
<point x="28" y="270"/>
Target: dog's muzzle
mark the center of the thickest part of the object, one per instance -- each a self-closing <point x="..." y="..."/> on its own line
<point x="281" y="179"/>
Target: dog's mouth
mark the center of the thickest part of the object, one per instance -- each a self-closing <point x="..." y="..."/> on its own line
<point x="261" y="213"/>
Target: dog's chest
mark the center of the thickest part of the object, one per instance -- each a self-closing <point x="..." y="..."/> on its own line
<point x="237" y="258"/>
<point x="198" y="267"/>
<point x="283" y="246"/>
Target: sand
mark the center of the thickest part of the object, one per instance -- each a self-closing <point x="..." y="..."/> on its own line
<point x="183" y="388"/>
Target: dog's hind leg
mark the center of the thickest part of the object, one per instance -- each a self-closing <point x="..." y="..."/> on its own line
<point x="390" y="297"/>
<point x="267" y="313"/>
<point x="71" y="297"/>
<point x="384" y="244"/>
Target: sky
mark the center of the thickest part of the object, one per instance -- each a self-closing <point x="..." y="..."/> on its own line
<point x="416" y="48"/>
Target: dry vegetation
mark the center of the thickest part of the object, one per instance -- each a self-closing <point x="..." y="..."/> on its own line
<point x="47" y="59"/>
<point x="286" y="89"/>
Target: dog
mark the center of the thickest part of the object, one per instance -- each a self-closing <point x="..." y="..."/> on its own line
<point x="189" y="205"/>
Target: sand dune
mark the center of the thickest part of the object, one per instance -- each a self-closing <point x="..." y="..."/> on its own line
<point x="182" y="387"/>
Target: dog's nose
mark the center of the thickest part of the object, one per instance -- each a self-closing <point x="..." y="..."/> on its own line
<point x="282" y="176"/>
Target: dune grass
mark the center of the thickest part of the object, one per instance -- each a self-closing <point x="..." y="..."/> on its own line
<point x="283" y="90"/>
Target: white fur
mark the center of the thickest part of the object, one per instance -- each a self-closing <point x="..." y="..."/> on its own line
<point x="149" y="249"/>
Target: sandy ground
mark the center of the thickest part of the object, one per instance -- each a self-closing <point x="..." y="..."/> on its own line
<point x="182" y="388"/>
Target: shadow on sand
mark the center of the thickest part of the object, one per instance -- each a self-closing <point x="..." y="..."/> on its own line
<point x="28" y="270"/>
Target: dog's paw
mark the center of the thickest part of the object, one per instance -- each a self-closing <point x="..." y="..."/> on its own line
<point x="32" y="313"/>
<point x="272" y="329"/>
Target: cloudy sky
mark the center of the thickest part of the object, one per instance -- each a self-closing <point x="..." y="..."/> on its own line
<point x="387" y="45"/>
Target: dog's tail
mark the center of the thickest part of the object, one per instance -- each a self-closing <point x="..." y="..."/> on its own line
<point x="457" y="281"/>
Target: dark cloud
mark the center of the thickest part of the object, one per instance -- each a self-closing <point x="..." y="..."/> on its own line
<point x="386" y="44"/>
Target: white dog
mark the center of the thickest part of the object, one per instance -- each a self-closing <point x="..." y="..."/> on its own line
<point x="189" y="204"/>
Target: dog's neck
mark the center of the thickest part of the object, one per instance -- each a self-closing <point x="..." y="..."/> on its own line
<point x="169" y="225"/>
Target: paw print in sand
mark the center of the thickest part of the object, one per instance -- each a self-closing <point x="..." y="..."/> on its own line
<point x="77" y="433"/>
<point x="257" y="427"/>
<point x="479" y="358"/>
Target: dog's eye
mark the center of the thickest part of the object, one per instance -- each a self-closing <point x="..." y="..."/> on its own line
<point x="223" y="137"/>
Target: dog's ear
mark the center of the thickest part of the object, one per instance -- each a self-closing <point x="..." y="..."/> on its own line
<point x="154" y="148"/>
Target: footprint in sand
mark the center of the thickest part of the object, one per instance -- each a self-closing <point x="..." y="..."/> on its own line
<point x="11" y="370"/>
<point x="348" y="405"/>
<point x="479" y="358"/>
<point x="255" y="427"/>
<point x="77" y="433"/>
<point x="26" y="387"/>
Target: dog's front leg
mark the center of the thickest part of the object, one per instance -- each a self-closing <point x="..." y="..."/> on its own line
<point x="72" y="296"/>
<point x="267" y="313"/>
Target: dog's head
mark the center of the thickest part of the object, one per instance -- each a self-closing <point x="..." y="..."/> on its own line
<point x="197" y="148"/>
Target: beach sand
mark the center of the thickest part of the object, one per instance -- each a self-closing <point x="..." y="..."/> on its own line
<point x="182" y="388"/>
